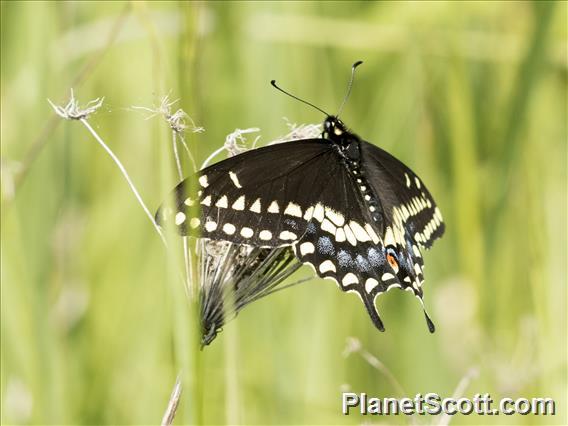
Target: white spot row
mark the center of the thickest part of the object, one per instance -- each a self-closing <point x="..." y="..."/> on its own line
<point x="333" y="222"/>
<point x="307" y="248"/>
<point x="293" y="210"/>
<point x="349" y="278"/>
<point x="370" y="283"/>
<point x="222" y="202"/>
<point x="409" y="182"/>
<point x="416" y="251"/>
<point x="246" y="232"/>
<point x="229" y="228"/>
<point x="337" y="218"/>
<point x="412" y="208"/>
<point x="181" y="217"/>
<point x="287" y="235"/>
<point x="394" y="237"/>
<point x="430" y="227"/>
<point x="255" y="207"/>
<point x="327" y="266"/>
<point x="239" y="204"/>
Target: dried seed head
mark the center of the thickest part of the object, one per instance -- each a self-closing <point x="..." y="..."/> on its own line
<point x="179" y="121"/>
<point x="72" y="111"/>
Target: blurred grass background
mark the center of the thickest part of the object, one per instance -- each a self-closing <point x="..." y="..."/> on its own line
<point x="471" y="95"/>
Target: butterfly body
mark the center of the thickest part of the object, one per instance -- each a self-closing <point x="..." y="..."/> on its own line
<point x="354" y="212"/>
<point x="348" y="146"/>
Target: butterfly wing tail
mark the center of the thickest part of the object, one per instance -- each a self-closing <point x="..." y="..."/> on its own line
<point x="369" y="302"/>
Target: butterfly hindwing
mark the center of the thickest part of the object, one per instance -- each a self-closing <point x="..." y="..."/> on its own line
<point x="412" y="220"/>
<point x="342" y="243"/>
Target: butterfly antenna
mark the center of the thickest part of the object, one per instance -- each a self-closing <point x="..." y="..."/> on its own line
<point x="349" y="86"/>
<point x="273" y="82"/>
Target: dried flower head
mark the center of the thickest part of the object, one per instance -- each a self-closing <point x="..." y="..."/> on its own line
<point x="72" y="111"/>
<point x="179" y="121"/>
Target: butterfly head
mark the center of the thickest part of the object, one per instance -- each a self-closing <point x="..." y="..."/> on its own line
<point x="333" y="128"/>
<point x="336" y="131"/>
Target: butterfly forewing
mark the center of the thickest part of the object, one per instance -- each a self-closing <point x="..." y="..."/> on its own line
<point x="259" y="197"/>
<point x="407" y="203"/>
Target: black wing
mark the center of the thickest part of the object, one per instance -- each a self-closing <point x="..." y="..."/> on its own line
<point x="342" y="243"/>
<point x="298" y="193"/>
<point x="411" y="219"/>
<point x="345" y="243"/>
<point x="302" y="194"/>
<point x="259" y="197"/>
<point x="407" y="203"/>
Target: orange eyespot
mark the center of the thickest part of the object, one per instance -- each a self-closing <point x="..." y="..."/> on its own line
<point x="392" y="261"/>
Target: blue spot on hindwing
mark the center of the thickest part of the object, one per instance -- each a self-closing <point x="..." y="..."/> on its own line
<point x="311" y="229"/>
<point x="344" y="259"/>
<point x="362" y="264"/>
<point x="325" y="246"/>
<point x="376" y="257"/>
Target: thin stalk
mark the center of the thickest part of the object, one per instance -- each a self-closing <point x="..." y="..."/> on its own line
<point x="212" y="156"/>
<point x="127" y="177"/>
<point x="187" y="263"/>
<point x="189" y="154"/>
<point x="173" y="403"/>
<point x="374" y="362"/>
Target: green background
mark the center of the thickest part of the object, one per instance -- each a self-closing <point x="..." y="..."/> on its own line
<point x="95" y="326"/>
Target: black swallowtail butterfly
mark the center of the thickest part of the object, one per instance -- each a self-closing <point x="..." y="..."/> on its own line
<point x="351" y="210"/>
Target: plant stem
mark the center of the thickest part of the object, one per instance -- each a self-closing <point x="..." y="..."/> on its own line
<point x="127" y="177"/>
<point x="170" y="412"/>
